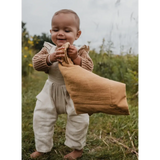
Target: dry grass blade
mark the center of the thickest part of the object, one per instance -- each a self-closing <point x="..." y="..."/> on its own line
<point x="105" y="143"/>
<point x="119" y="143"/>
<point x="100" y="136"/>
<point x="55" y="151"/>
<point x="61" y="153"/>
<point x="131" y="139"/>
<point x="134" y="149"/>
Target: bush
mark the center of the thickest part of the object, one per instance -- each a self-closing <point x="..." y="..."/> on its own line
<point x="27" y="66"/>
<point x="122" y="68"/>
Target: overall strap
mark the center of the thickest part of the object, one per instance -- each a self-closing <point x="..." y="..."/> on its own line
<point x="49" y="46"/>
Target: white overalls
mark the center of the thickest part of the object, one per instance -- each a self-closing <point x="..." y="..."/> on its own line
<point x="52" y="101"/>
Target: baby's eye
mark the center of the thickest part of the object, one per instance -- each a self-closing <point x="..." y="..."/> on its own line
<point x="67" y="31"/>
<point x="55" y="30"/>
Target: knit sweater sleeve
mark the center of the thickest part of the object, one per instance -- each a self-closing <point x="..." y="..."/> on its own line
<point x="87" y="62"/>
<point x="39" y="60"/>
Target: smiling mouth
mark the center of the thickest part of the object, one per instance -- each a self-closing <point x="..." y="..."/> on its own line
<point x="61" y="39"/>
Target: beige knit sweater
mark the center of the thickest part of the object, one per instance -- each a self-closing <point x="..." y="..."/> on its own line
<point x="40" y="64"/>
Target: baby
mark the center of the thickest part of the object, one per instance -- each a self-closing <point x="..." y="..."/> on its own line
<point x="54" y="98"/>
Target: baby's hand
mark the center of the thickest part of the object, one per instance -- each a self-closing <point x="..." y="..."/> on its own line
<point x="72" y="52"/>
<point x="57" y="55"/>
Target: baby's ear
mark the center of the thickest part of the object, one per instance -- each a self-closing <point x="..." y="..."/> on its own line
<point x="78" y="34"/>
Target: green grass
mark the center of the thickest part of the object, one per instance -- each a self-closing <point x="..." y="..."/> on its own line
<point x="109" y="137"/>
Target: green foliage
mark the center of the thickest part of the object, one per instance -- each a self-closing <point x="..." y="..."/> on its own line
<point x="38" y="41"/>
<point x="27" y="66"/>
<point x="122" y="68"/>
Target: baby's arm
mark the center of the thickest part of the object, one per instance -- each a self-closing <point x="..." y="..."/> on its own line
<point x="39" y="60"/>
<point x="80" y="57"/>
<point x="86" y="61"/>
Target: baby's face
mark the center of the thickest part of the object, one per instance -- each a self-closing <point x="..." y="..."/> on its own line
<point x="64" y="29"/>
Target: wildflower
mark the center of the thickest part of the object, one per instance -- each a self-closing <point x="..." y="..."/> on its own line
<point x="30" y="65"/>
<point x="26" y="48"/>
<point x="25" y="56"/>
<point x="30" y="52"/>
<point x="30" y="42"/>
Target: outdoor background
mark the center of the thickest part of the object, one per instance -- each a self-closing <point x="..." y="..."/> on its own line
<point x="110" y="28"/>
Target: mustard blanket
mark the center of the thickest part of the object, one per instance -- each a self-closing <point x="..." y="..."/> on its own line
<point x="92" y="93"/>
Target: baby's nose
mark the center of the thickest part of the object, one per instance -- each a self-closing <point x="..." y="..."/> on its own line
<point x="61" y="33"/>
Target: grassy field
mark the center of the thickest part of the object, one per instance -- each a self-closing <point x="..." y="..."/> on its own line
<point x="109" y="137"/>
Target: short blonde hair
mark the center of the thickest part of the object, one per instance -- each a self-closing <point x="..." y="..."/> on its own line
<point x="69" y="11"/>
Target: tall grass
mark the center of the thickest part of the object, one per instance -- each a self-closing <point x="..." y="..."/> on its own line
<point x="109" y="137"/>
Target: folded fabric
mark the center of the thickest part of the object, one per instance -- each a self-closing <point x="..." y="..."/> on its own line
<point x="92" y="93"/>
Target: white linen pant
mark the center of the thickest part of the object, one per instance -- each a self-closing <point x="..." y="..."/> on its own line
<point x="54" y="100"/>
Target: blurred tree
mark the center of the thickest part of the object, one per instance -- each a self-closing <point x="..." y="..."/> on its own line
<point x="21" y="24"/>
<point x="25" y="35"/>
<point x="38" y="41"/>
<point x="34" y="42"/>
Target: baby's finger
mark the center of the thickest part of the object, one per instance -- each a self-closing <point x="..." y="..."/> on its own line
<point x="60" y="60"/>
<point x="60" y="55"/>
<point x="61" y="48"/>
<point x="70" y="48"/>
<point x="59" y="52"/>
